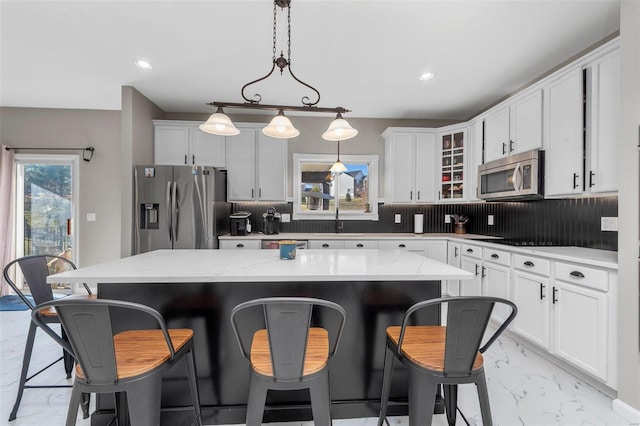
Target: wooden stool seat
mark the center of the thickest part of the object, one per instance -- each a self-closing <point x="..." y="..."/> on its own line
<point x="51" y="311"/>
<point x="424" y="346"/>
<point x="140" y="351"/>
<point x="317" y="354"/>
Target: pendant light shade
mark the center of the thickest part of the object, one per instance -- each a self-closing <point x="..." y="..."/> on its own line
<point x="339" y="130"/>
<point x="338" y="167"/>
<point x="219" y="124"/>
<point x="281" y="127"/>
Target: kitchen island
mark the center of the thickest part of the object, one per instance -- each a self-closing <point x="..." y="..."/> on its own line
<point x="199" y="288"/>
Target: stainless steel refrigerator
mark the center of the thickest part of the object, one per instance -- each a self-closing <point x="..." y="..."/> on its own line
<point x="179" y="207"/>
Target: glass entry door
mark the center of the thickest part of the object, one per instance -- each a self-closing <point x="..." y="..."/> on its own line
<point x="46" y="206"/>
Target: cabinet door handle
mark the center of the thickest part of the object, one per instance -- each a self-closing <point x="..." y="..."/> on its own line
<point x="455" y="252"/>
<point x="418" y="195"/>
<point x="260" y="193"/>
<point x="542" y="287"/>
<point x="193" y="159"/>
<point x="185" y="159"/>
<point x="359" y="245"/>
<point x="591" y="175"/>
<point x="401" y="245"/>
<point x="325" y="245"/>
<point x="504" y="148"/>
<point x="484" y="272"/>
<point x="495" y="256"/>
<point x="469" y="250"/>
<point x="576" y="274"/>
<point x="575" y="176"/>
<point x="439" y="195"/>
<point x="511" y="146"/>
<point x="240" y="245"/>
<point x="476" y="269"/>
<point x="529" y="264"/>
<point x="554" y="300"/>
<point x="411" y="195"/>
<point x="252" y="192"/>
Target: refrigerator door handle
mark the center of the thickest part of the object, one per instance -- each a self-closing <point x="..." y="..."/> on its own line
<point x="175" y="211"/>
<point x="168" y="203"/>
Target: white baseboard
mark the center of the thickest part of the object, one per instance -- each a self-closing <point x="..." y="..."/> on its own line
<point x="626" y="411"/>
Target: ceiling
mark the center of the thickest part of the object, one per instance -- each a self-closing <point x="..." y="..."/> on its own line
<point x="364" y="55"/>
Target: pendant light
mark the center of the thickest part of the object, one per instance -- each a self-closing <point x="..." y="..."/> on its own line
<point x="219" y="123"/>
<point x="339" y="129"/>
<point x="281" y="127"/>
<point x="338" y="167"/>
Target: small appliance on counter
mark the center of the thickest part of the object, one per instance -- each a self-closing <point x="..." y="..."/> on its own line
<point x="240" y="223"/>
<point x="271" y="221"/>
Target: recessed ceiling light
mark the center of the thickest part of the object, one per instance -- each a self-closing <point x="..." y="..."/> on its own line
<point x="427" y="75"/>
<point x="141" y="63"/>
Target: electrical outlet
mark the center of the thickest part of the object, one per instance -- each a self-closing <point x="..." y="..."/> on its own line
<point x="447" y="218"/>
<point x="285" y="217"/>
<point x="398" y="218"/>
<point x="490" y="220"/>
<point x="609" y="224"/>
<point x="91" y="217"/>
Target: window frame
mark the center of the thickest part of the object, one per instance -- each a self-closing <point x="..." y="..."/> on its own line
<point x="371" y="160"/>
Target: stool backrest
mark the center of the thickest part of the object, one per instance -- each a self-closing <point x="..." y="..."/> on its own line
<point x="87" y="324"/>
<point x="287" y="321"/>
<point x="467" y="320"/>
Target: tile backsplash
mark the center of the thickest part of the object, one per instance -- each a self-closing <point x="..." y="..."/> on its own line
<point x="566" y="222"/>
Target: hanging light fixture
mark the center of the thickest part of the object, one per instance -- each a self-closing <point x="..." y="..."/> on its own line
<point x="338" y="167"/>
<point x="280" y="126"/>
<point x="219" y="124"/>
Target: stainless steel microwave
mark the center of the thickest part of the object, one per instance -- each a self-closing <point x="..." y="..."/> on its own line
<point x="517" y="177"/>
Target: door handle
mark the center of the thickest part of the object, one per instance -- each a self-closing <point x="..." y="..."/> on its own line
<point x="591" y="175"/>
<point x="495" y="256"/>
<point x="418" y="195"/>
<point x="576" y="274"/>
<point x="575" y="176"/>
<point x="176" y="213"/>
<point x="455" y="252"/>
<point x="542" y="287"/>
<point x="193" y="159"/>
<point x="476" y="269"/>
<point x="529" y="264"/>
<point x="411" y="195"/>
<point x="516" y="183"/>
<point x="169" y="202"/>
<point x="484" y="272"/>
<point x="469" y="250"/>
<point x="504" y="148"/>
<point x="511" y="146"/>
<point x="554" y="300"/>
<point x="185" y="159"/>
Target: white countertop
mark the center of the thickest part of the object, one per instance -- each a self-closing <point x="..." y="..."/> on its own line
<point x="171" y="266"/>
<point x="351" y="235"/>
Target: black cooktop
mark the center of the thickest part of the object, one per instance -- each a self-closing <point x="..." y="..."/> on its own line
<point x="515" y="242"/>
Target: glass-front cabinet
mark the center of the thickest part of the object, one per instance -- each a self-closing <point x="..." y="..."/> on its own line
<point x="452" y="165"/>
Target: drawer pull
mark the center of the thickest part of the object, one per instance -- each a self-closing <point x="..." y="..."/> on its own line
<point x="495" y="256"/>
<point x="325" y="245"/>
<point x="469" y="250"/>
<point x="239" y="245"/>
<point x="401" y="245"/>
<point x="359" y="245"/>
<point x="529" y="264"/>
<point x="576" y="274"/>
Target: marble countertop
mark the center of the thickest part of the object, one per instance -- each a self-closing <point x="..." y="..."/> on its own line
<point x="171" y="266"/>
<point x="360" y="236"/>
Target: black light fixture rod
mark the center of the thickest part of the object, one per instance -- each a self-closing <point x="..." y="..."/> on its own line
<point x="248" y="105"/>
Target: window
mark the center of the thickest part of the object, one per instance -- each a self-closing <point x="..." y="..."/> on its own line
<point x="317" y="191"/>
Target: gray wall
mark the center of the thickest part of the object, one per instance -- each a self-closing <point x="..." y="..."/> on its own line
<point x="136" y="148"/>
<point x="99" y="179"/>
<point x="629" y="201"/>
<point x="368" y="141"/>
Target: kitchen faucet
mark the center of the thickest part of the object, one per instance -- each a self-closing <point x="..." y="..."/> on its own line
<point x="338" y="223"/>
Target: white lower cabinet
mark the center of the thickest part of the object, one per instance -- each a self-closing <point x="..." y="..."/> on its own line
<point x="453" y="259"/>
<point x="239" y="244"/>
<point x="581" y="324"/>
<point x="360" y="244"/>
<point x="497" y="283"/>
<point x="472" y="287"/>
<point x="531" y="296"/>
<point x="326" y="244"/>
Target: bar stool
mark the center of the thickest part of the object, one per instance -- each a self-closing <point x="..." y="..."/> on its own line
<point x="448" y="355"/>
<point x="286" y="352"/>
<point x="35" y="270"/>
<point x="129" y="363"/>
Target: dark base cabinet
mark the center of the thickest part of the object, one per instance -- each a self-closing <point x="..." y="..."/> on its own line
<point x="223" y="374"/>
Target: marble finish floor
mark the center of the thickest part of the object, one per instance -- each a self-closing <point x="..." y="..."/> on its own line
<point x="524" y="388"/>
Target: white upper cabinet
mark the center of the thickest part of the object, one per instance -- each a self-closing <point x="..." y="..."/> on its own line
<point x="603" y="122"/>
<point x="182" y="143"/>
<point x="563" y="134"/>
<point x="515" y="127"/>
<point x="473" y="158"/>
<point x="257" y="166"/>
<point x="409" y="160"/>
<point x="453" y="163"/>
